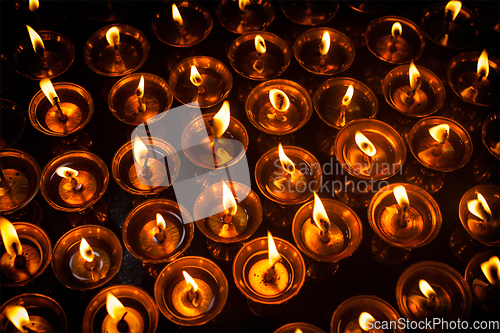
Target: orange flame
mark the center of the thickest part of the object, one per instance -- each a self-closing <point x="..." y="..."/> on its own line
<point x="396" y="30"/>
<point x="113" y="36"/>
<point x="195" y="77"/>
<point x="33" y="5"/>
<point x="114" y="307"/>
<point x="273" y="254"/>
<point x="243" y="4"/>
<point x="221" y="120"/>
<point x="18" y="316"/>
<point x="489" y="267"/>
<point x="455" y="7"/>
<point x="228" y="200"/>
<point x="140" y="87"/>
<point x="176" y="15"/>
<point x="160" y="222"/>
<point x="479" y="207"/>
<point x="325" y="43"/>
<point x="426" y="289"/>
<point x="319" y="213"/>
<point x="86" y="251"/>
<point x="483" y="67"/>
<point x="9" y="237"/>
<point x="279" y="100"/>
<point x="190" y="281"/>
<point x="66" y="172"/>
<point x="36" y="40"/>
<point x="440" y="133"/>
<point x="348" y="96"/>
<point x="298" y="330"/>
<point x="48" y="90"/>
<point x="401" y="196"/>
<point x="415" y="79"/>
<point x="139" y="149"/>
<point x="365" y="145"/>
<point x="286" y="163"/>
<point x="260" y="44"/>
<point x="366" y="321"/>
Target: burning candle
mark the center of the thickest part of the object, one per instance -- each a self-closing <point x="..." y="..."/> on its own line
<point x="192" y="297"/>
<point x="120" y="318"/>
<point x="364" y="323"/>
<point x="76" y="188"/>
<point x="425" y="301"/>
<point x="485" y="291"/>
<point x="39" y="48"/>
<point x="401" y="215"/>
<point x="441" y="134"/>
<point x="147" y="171"/>
<point x="451" y="10"/>
<point x="25" y="323"/>
<point x="481" y="222"/>
<point x="89" y="264"/>
<point x="483" y="70"/>
<point x="159" y="237"/>
<point x="33" y="5"/>
<point x="411" y="99"/>
<point x="346" y="101"/>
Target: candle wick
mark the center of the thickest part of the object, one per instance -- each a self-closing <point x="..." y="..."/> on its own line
<point x="118" y="56"/>
<point x="20" y="260"/>
<point x="193" y="296"/>
<point x="123" y="325"/>
<point x="228" y="218"/>
<point x="324" y="234"/>
<point x="146" y="171"/>
<point x="76" y="186"/>
<point x="449" y="16"/>
<point x="90" y="265"/>
<point x="140" y="100"/>
<point x="402" y="214"/>
<point x="62" y="116"/>
<point x="270" y="274"/>
<point x="160" y="235"/>
<point x="5" y="185"/>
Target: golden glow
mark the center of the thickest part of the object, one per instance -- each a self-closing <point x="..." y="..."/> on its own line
<point x="479" y="207"/>
<point x="9" y="237"/>
<point x="243" y="4"/>
<point x="298" y="330"/>
<point x="48" y="90"/>
<point x="279" y="100"/>
<point x="86" y="251"/>
<point x="139" y="149"/>
<point x="286" y="163"/>
<point x="195" y="77"/>
<point x="114" y="307"/>
<point x="483" y="68"/>
<point x="176" y="15"/>
<point x="319" y="213"/>
<point x="366" y="321"/>
<point x="440" y="133"/>
<point x="260" y="44"/>
<point x="490" y="266"/>
<point x="190" y="281"/>
<point x="325" y="43"/>
<point x="160" y="222"/>
<point x="401" y="196"/>
<point x="36" y="41"/>
<point x="348" y="96"/>
<point x="221" y="120"/>
<point x="426" y="289"/>
<point x="415" y="79"/>
<point x="228" y="201"/>
<point x="397" y="29"/>
<point x="66" y="172"/>
<point x="140" y="87"/>
<point x="273" y="254"/>
<point x="455" y="7"/>
<point x="364" y="144"/>
<point x="33" y="5"/>
<point x="113" y="36"/>
<point x="17" y="316"/>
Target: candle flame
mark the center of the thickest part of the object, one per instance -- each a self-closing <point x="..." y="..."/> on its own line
<point x="243" y="4"/>
<point x="401" y="196"/>
<point x="48" y="90"/>
<point x="18" y="316"/>
<point x="298" y="330"/>
<point x="140" y="87"/>
<point x="415" y="79"/>
<point x="139" y="149"/>
<point x="176" y="15"/>
<point x="260" y="44"/>
<point x="319" y="213"/>
<point x="220" y="122"/>
<point x="479" y="207"/>
<point x="273" y="254"/>
<point x="348" y="96"/>
<point x="364" y="144"/>
<point x="366" y="321"/>
<point x="66" y="172"/>
<point x="325" y="43"/>
<point x="160" y="222"/>
<point x="86" y="251"/>
<point x="396" y="30"/>
<point x="114" y="307"/>
<point x="33" y="5"/>
<point x="9" y="237"/>
<point x="279" y="100"/>
<point x="454" y="7"/>
<point x="36" y="40"/>
<point x="286" y="163"/>
<point x="113" y="36"/>
<point x="440" y="133"/>
<point x="228" y="200"/>
<point x="195" y="77"/>
<point x="483" y="68"/>
<point x="491" y="269"/>
<point x="426" y="289"/>
<point x="190" y="281"/>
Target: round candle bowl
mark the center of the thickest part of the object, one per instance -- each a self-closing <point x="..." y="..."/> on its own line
<point x="328" y="97"/>
<point x="123" y="101"/>
<point x="217" y="81"/>
<point x="12" y="123"/>
<point x="259" y="109"/>
<point x="208" y="210"/>
<point x="249" y="63"/>
<point x="339" y="57"/>
<point x="409" y="45"/>
<point x="257" y="16"/>
<point x="43" y="311"/>
<point x="306" y="236"/>
<point x="131" y="297"/>
<point x="490" y="135"/>
<point x="346" y="316"/>
<point x="462" y="75"/>
<point x="453" y="296"/>
<point x="59" y="55"/>
<point x="196" y="145"/>
<point x="396" y="85"/>
<point x="197" y="24"/>
<point x="37" y="250"/>
<point x="304" y="327"/>
<point x="304" y="161"/>
<point x="198" y="268"/>
<point x="309" y="12"/>
<point x="256" y="250"/>
<point x="484" y="294"/>
<point x="164" y="163"/>
<point x="139" y="235"/>
<point x="101" y="58"/>
<point x="462" y="32"/>
<point x="390" y="155"/>
<point x="69" y="266"/>
<point x="22" y="173"/>
<point x="456" y="151"/>
<point x="486" y="232"/>
<point x="76" y="102"/>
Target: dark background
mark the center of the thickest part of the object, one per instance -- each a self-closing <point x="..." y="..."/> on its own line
<point x="358" y="275"/>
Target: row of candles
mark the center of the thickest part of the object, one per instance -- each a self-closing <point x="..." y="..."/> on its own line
<point x="265" y="272"/>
